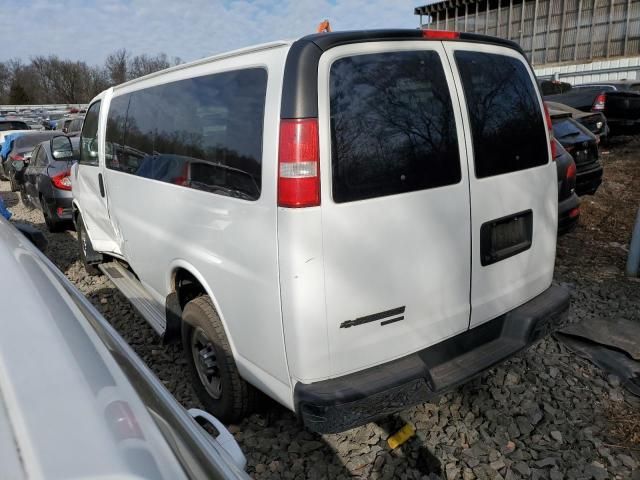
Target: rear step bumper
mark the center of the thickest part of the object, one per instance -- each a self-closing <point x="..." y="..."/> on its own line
<point x="338" y="404"/>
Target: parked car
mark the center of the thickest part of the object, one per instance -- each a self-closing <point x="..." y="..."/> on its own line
<point x="13" y="125"/>
<point x="35" y="125"/>
<point x="46" y="184"/>
<point x="568" y="201"/>
<point x="369" y="270"/>
<point x="595" y="122"/>
<point x="71" y="125"/>
<point x="6" y="144"/>
<point x="21" y="151"/>
<point x="619" y="101"/>
<point x="583" y="147"/>
<point x="79" y="403"/>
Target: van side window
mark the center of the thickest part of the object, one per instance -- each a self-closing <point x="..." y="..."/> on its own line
<point x="89" y="136"/>
<point x="392" y="125"/>
<point x="507" y="125"/>
<point x="203" y="133"/>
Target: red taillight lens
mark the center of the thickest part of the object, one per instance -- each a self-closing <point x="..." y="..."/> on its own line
<point x="440" y="35"/>
<point x="17" y="157"/>
<point x="183" y="178"/>
<point x="574" y="212"/>
<point x="599" y="103"/>
<point x="554" y="148"/>
<point x="571" y="171"/>
<point x="62" y="180"/>
<point x="299" y="163"/>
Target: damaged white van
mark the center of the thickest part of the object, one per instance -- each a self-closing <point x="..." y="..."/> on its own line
<point x="351" y="223"/>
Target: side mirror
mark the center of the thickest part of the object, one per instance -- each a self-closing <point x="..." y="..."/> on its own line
<point x="61" y="147"/>
<point x="34" y="235"/>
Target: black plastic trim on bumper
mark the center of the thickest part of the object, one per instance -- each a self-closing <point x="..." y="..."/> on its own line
<point x="349" y="401"/>
<point x="566" y="223"/>
<point x="587" y="183"/>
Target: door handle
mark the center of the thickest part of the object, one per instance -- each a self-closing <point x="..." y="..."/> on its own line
<point x="101" y="184"/>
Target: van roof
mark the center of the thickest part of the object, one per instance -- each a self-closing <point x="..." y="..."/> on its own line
<point x="327" y="40"/>
<point x="299" y="97"/>
<point x="300" y="81"/>
<point x="212" y="58"/>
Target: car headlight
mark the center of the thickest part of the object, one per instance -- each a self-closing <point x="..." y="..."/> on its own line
<point x="599" y="125"/>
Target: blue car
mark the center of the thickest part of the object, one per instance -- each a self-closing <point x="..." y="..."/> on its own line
<point x="9" y="139"/>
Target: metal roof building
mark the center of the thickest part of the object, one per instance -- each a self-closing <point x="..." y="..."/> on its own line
<point x="565" y="36"/>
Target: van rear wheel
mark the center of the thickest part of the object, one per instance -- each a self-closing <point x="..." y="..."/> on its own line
<point x="214" y="373"/>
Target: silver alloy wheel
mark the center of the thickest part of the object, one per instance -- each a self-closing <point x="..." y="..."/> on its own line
<point x="206" y="362"/>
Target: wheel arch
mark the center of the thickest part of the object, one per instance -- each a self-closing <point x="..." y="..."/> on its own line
<point x="180" y="292"/>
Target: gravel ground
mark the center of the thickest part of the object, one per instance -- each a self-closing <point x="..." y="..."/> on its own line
<point x="544" y="414"/>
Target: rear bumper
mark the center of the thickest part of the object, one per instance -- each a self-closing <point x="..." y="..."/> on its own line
<point x="587" y="182"/>
<point x="60" y="205"/>
<point x="339" y="404"/>
<point x="623" y="122"/>
<point x="567" y="217"/>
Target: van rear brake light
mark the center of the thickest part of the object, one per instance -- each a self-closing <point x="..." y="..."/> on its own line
<point x="440" y="35"/>
<point x="299" y="163"/>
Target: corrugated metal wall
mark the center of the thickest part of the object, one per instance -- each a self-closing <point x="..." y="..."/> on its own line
<point x="549" y="31"/>
<point x="623" y="68"/>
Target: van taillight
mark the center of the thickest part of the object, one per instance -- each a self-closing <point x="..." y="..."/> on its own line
<point x="299" y="163"/>
<point x="440" y="35"/>
<point x="571" y="170"/>
<point x="554" y="148"/>
<point x="599" y="103"/>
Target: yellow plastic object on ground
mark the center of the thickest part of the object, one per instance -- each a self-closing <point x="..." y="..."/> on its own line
<point x="401" y="436"/>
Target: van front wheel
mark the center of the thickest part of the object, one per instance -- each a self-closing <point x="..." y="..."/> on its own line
<point x="88" y="255"/>
<point x="214" y="373"/>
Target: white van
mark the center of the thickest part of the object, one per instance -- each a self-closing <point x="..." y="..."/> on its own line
<point x="352" y="222"/>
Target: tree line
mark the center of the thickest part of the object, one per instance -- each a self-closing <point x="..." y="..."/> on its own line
<point x="51" y="79"/>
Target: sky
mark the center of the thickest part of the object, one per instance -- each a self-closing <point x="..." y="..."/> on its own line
<point x="190" y="29"/>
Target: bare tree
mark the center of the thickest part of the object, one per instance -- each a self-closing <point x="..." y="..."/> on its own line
<point x="144" y="64"/>
<point x="116" y="65"/>
<point x="55" y="80"/>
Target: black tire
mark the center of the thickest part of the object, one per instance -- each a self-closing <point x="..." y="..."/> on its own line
<point x="236" y="397"/>
<point x="24" y="200"/>
<point x="88" y="255"/>
<point x="14" y="184"/>
<point x="54" y="224"/>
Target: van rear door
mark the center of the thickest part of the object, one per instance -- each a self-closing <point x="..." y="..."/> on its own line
<point x="514" y="198"/>
<point x="395" y="201"/>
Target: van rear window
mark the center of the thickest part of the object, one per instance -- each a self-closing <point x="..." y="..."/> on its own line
<point x="392" y="125"/>
<point x="507" y="125"/>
